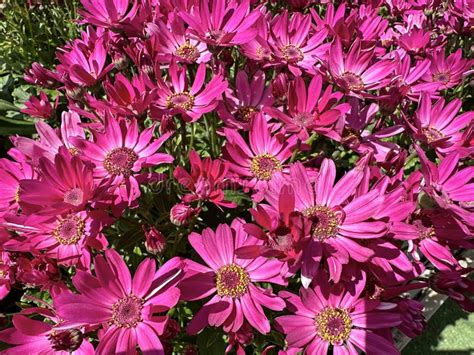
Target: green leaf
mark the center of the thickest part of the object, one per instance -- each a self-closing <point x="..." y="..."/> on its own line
<point x="7" y="106"/>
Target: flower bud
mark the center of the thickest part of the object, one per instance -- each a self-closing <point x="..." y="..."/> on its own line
<point x="182" y="214"/>
<point x="155" y="242"/>
<point x="68" y="340"/>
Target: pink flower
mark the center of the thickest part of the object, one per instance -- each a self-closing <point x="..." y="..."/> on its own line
<point x="155" y="241"/>
<point x="293" y="45"/>
<point x="6" y="273"/>
<point x="438" y="125"/>
<point x="85" y="66"/>
<point x="333" y="315"/>
<point x="310" y="109"/>
<point x="182" y="213"/>
<point x="130" y="97"/>
<point x="120" y="152"/>
<point x="67" y="184"/>
<point x="415" y="41"/>
<point x="449" y="71"/>
<point x="192" y="102"/>
<point x="221" y="22"/>
<point x="257" y="164"/>
<point x="237" y="111"/>
<point x="38" y="75"/>
<point x="340" y="225"/>
<point x="353" y="71"/>
<point x="67" y="239"/>
<point x="109" y="14"/>
<point x="50" y="140"/>
<point x="38" y="271"/>
<point x="176" y="42"/>
<point x="11" y="173"/>
<point x="457" y="285"/>
<point x="39" y="107"/>
<point x="31" y="336"/>
<point x="205" y="180"/>
<point x="125" y="307"/>
<point x="230" y="280"/>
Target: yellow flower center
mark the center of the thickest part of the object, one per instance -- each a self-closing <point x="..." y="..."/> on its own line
<point x="333" y="325"/>
<point x="183" y="100"/>
<point x="325" y="222"/>
<point x="120" y="161"/>
<point x="263" y="166"/>
<point x="432" y="134"/>
<point x="245" y="113"/>
<point x="69" y="230"/>
<point x="188" y="52"/>
<point x="232" y="281"/>
<point x="127" y="312"/>
<point x="292" y="53"/>
<point x="352" y="82"/>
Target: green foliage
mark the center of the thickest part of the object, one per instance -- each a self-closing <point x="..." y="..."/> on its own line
<point x="30" y="33"/>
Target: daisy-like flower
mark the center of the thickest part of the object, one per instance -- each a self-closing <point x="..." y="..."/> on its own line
<point x="451" y="187"/>
<point x="257" y="164"/>
<point x="449" y="71"/>
<point x="125" y="307"/>
<point x="353" y="71"/>
<point x="30" y="336"/>
<point x="339" y="226"/>
<point x="107" y="14"/>
<point x="50" y="140"/>
<point x="6" y="274"/>
<point x="39" y="107"/>
<point x="177" y="43"/>
<point x="11" y="173"/>
<point x="85" y="67"/>
<point x="439" y="125"/>
<point x="293" y="45"/>
<point x="310" y="109"/>
<point x="230" y="280"/>
<point x="130" y="97"/>
<point x="333" y="316"/>
<point x="67" y="184"/>
<point x="193" y="102"/>
<point x="221" y="22"/>
<point x="237" y="111"/>
<point x="120" y="152"/>
<point x="205" y="180"/>
<point x="67" y="239"/>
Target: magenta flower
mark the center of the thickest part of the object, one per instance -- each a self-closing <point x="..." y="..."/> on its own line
<point x="438" y="125"/>
<point x="120" y="152"/>
<point x="451" y="187"/>
<point x="449" y="71"/>
<point x="193" y="102"/>
<point x="457" y="285"/>
<point x="41" y="107"/>
<point x="67" y="184"/>
<point x="310" y="109"/>
<point x="51" y="140"/>
<point x="293" y="45"/>
<point x="31" y="336"/>
<point x="85" y="67"/>
<point x="38" y="75"/>
<point x="176" y="42"/>
<point x="415" y="41"/>
<point x="230" y="280"/>
<point x="353" y="71"/>
<point x="339" y="228"/>
<point x="125" y="307"/>
<point x="108" y="14"/>
<point x="205" y="180"/>
<point x="67" y="239"/>
<point x="332" y="315"/>
<point x="256" y="165"/>
<point x="237" y="111"/>
<point x="6" y="273"/>
<point x="130" y="97"/>
<point x="221" y="22"/>
<point x="11" y="173"/>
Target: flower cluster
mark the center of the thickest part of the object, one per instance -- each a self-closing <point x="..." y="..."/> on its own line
<point x="259" y="167"/>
